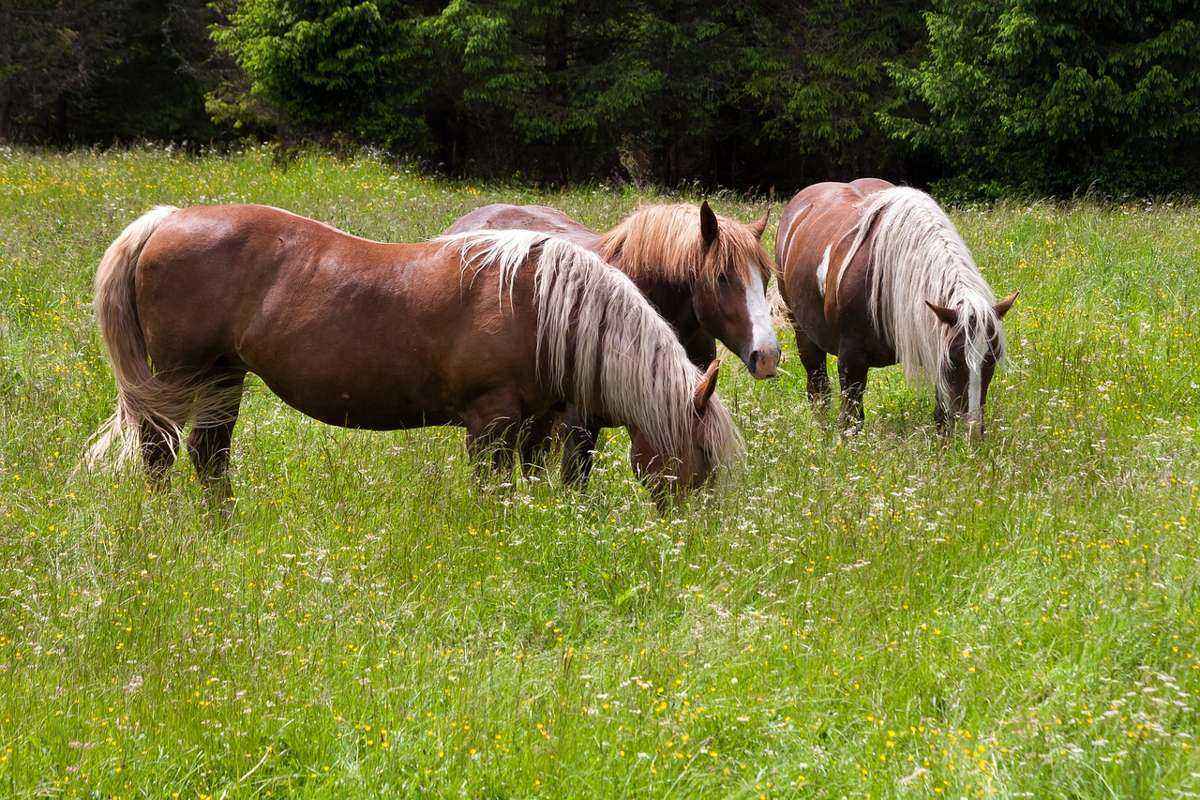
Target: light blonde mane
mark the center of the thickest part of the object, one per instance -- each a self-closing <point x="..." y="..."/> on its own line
<point x="593" y="323"/>
<point x="917" y="256"/>
<point x="664" y="241"/>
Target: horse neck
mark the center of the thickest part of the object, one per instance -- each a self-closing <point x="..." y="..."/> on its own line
<point x="673" y="302"/>
<point x="670" y="296"/>
<point x="601" y="343"/>
<point x="673" y="265"/>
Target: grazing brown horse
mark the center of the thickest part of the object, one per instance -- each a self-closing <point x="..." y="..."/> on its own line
<point x="876" y="274"/>
<point x="485" y="330"/>
<point x="706" y="275"/>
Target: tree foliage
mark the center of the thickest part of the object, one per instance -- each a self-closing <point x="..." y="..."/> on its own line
<point x="1054" y="96"/>
<point x="358" y="68"/>
<point x="669" y="90"/>
<point x="987" y="96"/>
<point x="104" y="70"/>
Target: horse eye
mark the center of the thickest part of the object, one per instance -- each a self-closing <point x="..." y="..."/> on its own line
<point x="723" y="279"/>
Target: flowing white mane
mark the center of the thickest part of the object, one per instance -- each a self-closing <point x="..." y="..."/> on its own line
<point x="918" y="256"/>
<point x="599" y="339"/>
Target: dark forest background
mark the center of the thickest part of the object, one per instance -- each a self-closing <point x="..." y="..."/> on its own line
<point x="981" y="98"/>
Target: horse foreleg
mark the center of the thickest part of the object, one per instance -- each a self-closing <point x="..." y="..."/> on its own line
<point x="815" y="365"/>
<point x="581" y="437"/>
<point x="852" y="374"/>
<point x="536" y="439"/>
<point x="491" y="450"/>
<point x="942" y="418"/>
<point x="493" y="425"/>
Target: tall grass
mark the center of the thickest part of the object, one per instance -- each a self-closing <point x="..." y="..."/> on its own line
<point x="888" y="615"/>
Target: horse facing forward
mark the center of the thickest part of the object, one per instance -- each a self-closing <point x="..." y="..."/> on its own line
<point x="876" y="275"/>
<point x="486" y="330"/>
<point x="705" y="274"/>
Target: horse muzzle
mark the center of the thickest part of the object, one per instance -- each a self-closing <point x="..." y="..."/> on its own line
<point x="764" y="362"/>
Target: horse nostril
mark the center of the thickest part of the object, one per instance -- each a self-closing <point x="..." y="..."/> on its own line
<point x="754" y="362"/>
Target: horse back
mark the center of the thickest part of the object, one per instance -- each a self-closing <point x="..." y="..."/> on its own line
<point x="209" y="271"/>
<point x="503" y="216"/>
<point x="346" y="330"/>
<point x="816" y="232"/>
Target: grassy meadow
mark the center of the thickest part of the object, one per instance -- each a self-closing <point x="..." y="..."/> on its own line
<point x="886" y="616"/>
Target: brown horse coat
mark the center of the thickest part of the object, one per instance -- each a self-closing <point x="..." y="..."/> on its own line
<point x="706" y="275"/>
<point x="877" y="275"/>
<point x="816" y="233"/>
<point x="382" y="336"/>
<point x="318" y="315"/>
<point x="706" y="296"/>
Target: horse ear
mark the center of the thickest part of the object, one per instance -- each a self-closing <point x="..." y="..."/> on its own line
<point x="706" y="387"/>
<point x="947" y="315"/>
<point x="708" y="225"/>
<point x="759" y="226"/>
<point x="1004" y="305"/>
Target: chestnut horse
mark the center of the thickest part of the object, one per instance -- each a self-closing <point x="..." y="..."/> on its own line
<point x="706" y="275"/>
<point x="485" y="330"/>
<point x="877" y="275"/>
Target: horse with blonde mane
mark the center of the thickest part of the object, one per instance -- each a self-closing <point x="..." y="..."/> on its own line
<point x="486" y="330"/>
<point x="705" y="274"/>
<point x="876" y="274"/>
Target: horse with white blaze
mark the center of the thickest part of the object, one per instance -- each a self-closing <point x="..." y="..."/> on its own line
<point x="876" y="274"/>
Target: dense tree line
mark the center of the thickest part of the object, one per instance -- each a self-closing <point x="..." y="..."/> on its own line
<point x="83" y="71"/>
<point x="985" y="96"/>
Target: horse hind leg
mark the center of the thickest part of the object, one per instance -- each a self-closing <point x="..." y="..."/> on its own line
<point x="209" y="443"/>
<point x="161" y="415"/>
<point x="852" y="375"/>
<point x="159" y="444"/>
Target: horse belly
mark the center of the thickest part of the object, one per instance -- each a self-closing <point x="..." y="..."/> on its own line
<point x="379" y="406"/>
<point x="355" y="370"/>
<point x="418" y="364"/>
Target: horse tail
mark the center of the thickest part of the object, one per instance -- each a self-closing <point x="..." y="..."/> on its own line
<point x="139" y="399"/>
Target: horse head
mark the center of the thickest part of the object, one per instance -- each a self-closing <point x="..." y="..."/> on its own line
<point x="729" y="295"/>
<point x="671" y="476"/>
<point x="975" y="347"/>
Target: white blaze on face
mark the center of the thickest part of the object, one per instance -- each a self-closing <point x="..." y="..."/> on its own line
<point x="762" y="332"/>
<point x="974" y="384"/>
<point x="975" y="357"/>
<point x="974" y="390"/>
